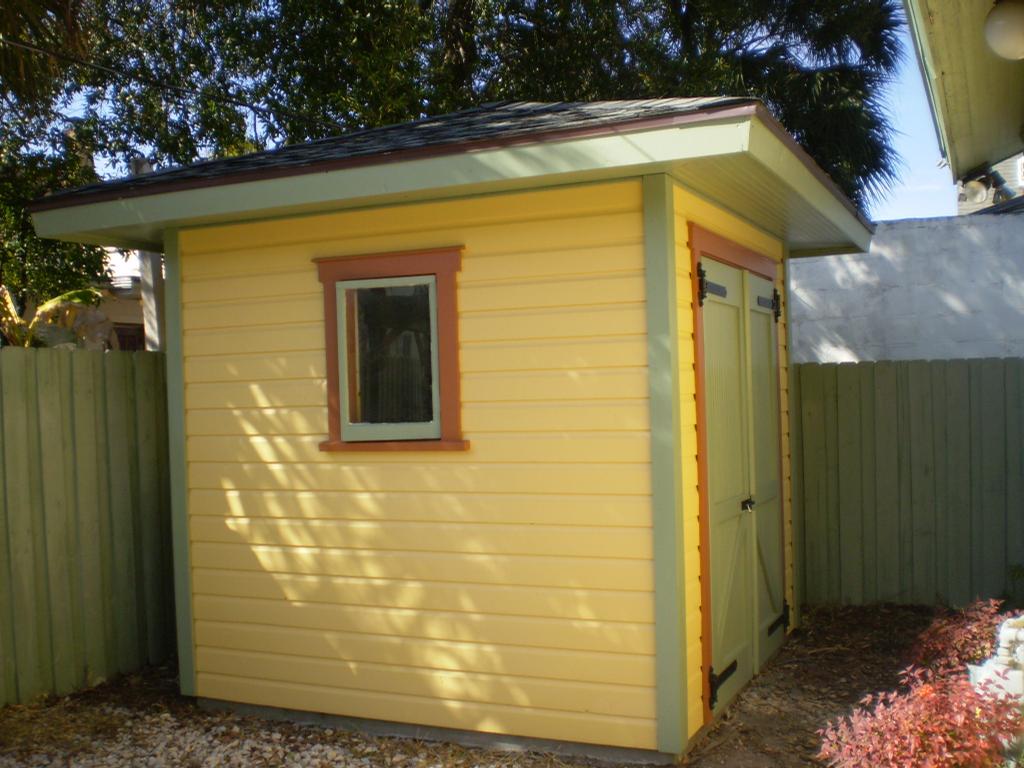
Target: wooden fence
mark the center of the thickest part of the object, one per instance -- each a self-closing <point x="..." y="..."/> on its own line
<point x="911" y="480"/>
<point x="85" y="561"/>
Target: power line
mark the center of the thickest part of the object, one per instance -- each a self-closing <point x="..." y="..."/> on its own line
<point x="264" y="111"/>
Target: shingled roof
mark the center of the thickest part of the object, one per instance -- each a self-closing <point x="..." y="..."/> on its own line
<point x="489" y="124"/>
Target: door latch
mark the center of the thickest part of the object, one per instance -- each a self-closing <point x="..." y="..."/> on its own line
<point x="747" y="504"/>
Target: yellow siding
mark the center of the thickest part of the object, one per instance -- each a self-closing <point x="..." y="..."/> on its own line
<point x="692" y="208"/>
<point x="506" y="589"/>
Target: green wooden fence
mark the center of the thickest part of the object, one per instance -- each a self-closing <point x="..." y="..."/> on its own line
<point x="911" y="480"/>
<point x="85" y="561"/>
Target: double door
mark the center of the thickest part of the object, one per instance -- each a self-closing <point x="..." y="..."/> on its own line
<point x="744" y="477"/>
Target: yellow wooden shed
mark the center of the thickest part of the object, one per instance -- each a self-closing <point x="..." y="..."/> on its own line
<point x="481" y="422"/>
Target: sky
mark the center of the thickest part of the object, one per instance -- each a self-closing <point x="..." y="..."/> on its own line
<point x="926" y="186"/>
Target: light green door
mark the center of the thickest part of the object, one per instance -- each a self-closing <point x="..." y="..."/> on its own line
<point x="765" y="480"/>
<point x="744" y="499"/>
<point x="731" y="532"/>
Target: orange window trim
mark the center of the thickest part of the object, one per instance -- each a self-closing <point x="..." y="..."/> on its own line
<point x="443" y="264"/>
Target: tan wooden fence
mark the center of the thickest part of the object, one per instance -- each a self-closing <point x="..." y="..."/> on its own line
<point x="85" y="560"/>
<point x="911" y="477"/>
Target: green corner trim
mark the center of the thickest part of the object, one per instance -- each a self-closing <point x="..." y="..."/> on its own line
<point x="179" y="486"/>
<point x="666" y="463"/>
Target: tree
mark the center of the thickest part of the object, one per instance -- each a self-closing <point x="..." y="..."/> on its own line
<point x="820" y="65"/>
<point x="33" y="268"/>
<point x="40" y="149"/>
<point x="180" y="80"/>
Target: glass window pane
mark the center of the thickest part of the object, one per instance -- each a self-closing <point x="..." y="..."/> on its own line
<point x="390" y="354"/>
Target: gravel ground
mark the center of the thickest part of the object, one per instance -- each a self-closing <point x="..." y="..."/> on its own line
<point x="140" y="720"/>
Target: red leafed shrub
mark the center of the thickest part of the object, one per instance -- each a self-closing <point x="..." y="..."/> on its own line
<point x="935" y="722"/>
<point x="958" y="638"/>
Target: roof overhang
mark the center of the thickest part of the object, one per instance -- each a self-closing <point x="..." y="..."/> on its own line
<point x="977" y="98"/>
<point x="739" y="158"/>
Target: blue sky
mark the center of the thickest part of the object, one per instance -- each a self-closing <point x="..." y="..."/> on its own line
<point x="926" y="188"/>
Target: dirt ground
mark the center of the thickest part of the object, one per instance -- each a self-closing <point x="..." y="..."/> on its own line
<point x="838" y="657"/>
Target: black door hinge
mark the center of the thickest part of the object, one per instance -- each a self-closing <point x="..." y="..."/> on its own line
<point x="776" y="304"/>
<point x="782" y="621"/>
<point x="715" y="681"/>
<point x="705" y="286"/>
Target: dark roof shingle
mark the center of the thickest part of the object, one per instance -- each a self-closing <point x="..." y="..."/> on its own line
<point x="505" y="121"/>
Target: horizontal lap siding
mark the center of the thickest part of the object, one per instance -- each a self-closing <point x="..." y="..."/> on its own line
<point x="690" y="208"/>
<point x="506" y="589"/>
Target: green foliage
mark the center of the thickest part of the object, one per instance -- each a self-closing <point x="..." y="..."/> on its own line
<point x="181" y="80"/>
<point x="26" y="77"/>
<point x="41" y="150"/>
<point x="935" y="721"/>
<point x="33" y="268"/>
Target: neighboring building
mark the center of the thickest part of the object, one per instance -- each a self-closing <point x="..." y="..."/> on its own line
<point x="928" y="289"/>
<point x="977" y="98"/>
<point x="133" y="299"/>
<point x="122" y="304"/>
<point x="480" y="422"/>
<point x="999" y="184"/>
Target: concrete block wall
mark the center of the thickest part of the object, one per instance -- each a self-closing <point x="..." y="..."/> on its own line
<point x="928" y="289"/>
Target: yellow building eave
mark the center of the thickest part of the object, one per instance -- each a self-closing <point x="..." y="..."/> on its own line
<point x="977" y="98"/>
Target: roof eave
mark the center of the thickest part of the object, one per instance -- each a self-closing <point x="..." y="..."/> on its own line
<point x="140" y="221"/>
<point x="926" y="66"/>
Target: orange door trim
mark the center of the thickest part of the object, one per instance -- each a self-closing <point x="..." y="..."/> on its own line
<point x="705" y="244"/>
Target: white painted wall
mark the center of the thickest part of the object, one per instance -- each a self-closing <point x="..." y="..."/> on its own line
<point x="933" y="289"/>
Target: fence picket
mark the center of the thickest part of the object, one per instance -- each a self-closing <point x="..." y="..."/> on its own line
<point x="21" y="453"/>
<point x="148" y="452"/>
<point x="8" y="678"/>
<point x="905" y="509"/>
<point x="937" y="374"/>
<point x="993" y="419"/>
<point x="814" y="497"/>
<point x="887" y="486"/>
<point x="848" y="456"/>
<point x="1015" y="477"/>
<point x="71" y="519"/>
<point x="831" y="455"/>
<point x="922" y="483"/>
<point x="959" y="550"/>
<point x="120" y="432"/>
<point x="976" y="463"/>
<point x="866" y="391"/>
<point x="939" y="451"/>
<point x="54" y="523"/>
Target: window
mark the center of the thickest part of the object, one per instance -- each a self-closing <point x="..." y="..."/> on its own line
<point x="392" y="351"/>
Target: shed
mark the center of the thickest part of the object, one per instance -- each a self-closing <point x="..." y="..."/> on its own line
<point x="480" y="422"/>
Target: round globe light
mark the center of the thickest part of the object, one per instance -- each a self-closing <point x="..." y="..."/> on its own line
<point x="1004" y="29"/>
